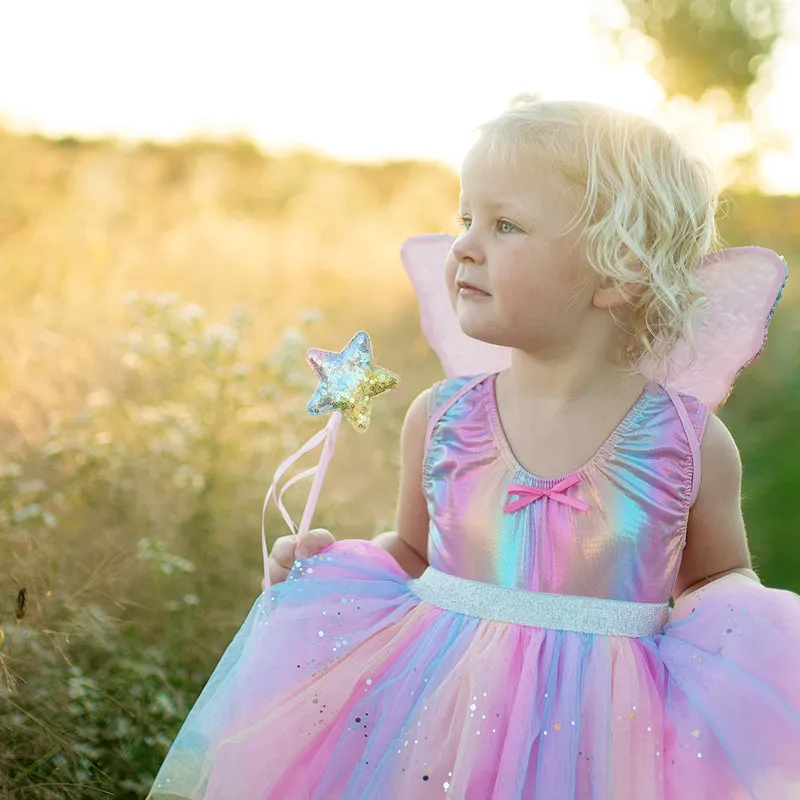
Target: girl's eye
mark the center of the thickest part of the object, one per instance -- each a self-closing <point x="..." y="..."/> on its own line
<point x="507" y="227"/>
<point x="464" y="222"/>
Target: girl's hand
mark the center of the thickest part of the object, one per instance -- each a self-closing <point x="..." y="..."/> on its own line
<point x="288" y="548"/>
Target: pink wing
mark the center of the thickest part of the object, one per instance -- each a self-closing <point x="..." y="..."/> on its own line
<point x="743" y="285"/>
<point x="423" y="258"/>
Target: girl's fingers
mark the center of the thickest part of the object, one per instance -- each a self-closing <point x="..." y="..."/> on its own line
<point x="286" y="549"/>
<point x="277" y="574"/>
<point x="313" y="541"/>
<point x="283" y="552"/>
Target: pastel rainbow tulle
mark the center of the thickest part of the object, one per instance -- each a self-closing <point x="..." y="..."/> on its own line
<point x="353" y="687"/>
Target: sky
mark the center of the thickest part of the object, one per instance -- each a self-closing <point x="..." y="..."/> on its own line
<point x="360" y="80"/>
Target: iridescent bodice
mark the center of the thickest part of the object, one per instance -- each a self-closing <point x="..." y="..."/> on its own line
<point x="620" y="538"/>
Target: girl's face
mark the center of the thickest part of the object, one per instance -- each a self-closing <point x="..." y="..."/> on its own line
<point x="514" y="278"/>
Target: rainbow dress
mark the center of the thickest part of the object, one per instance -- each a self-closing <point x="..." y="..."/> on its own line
<point x="536" y="657"/>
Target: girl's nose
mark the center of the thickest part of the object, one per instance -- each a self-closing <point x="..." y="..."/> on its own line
<point x="467" y="248"/>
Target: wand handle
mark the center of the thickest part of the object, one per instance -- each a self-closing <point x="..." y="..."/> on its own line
<point x="321" y="469"/>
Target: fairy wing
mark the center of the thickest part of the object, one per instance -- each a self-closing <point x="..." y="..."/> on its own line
<point x="423" y="258"/>
<point x="743" y="285"/>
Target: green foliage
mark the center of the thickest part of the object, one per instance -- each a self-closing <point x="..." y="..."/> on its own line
<point x="761" y="414"/>
<point x="97" y="676"/>
<point x="707" y="43"/>
<point x="101" y="729"/>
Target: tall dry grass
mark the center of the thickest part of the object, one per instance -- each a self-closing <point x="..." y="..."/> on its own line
<point x="154" y="315"/>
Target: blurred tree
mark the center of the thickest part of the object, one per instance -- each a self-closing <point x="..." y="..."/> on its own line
<point x="713" y="53"/>
<point x="705" y="44"/>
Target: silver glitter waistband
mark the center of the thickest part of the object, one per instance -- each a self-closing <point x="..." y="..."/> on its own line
<point x="561" y="612"/>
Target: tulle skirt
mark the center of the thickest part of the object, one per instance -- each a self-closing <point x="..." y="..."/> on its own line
<point x="352" y="686"/>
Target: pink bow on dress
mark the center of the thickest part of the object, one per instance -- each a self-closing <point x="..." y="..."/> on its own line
<point x="529" y="494"/>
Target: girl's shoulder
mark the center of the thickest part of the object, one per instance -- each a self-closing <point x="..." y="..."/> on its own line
<point x="443" y="392"/>
<point x="692" y="411"/>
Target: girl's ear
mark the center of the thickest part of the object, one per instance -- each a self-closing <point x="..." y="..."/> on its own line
<point x="609" y="294"/>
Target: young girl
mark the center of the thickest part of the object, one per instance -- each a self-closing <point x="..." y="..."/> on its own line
<point x="513" y="638"/>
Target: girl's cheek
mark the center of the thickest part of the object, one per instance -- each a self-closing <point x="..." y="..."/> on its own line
<point x="450" y="269"/>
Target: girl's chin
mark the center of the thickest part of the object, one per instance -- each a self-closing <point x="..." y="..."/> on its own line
<point x="480" y="330"/>
<point x="480" y="325"/>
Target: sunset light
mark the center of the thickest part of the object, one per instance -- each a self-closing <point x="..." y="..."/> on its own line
<point x="357" y="80"/>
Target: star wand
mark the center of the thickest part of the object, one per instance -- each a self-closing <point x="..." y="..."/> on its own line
<point x="348" y="382"/>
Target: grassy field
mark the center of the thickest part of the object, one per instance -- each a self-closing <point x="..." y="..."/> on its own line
<point x="156" y="307"/>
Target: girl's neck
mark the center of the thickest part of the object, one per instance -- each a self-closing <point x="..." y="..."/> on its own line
<point x="558" y="385"/>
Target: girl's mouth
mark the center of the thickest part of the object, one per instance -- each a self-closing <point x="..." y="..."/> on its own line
<point x="468" y="290"/>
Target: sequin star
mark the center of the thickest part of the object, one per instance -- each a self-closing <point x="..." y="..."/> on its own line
<point x="349" y="380"/>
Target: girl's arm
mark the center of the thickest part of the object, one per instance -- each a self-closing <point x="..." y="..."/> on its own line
<point x="409" y="543"/>
<point x="716" y="543"/>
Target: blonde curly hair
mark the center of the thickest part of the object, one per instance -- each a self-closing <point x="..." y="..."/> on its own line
<point x="647" y="206"/>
